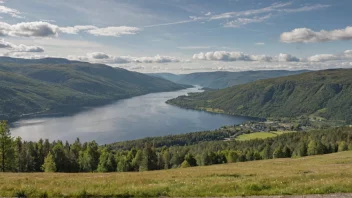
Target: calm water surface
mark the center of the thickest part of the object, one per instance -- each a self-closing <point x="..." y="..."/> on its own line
<point x="133" y="118"/>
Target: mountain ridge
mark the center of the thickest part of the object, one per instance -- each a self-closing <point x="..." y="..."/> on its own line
<point x="324" y="94"/>
<point x="223" y="79"/>
<point x="46" y="85"/>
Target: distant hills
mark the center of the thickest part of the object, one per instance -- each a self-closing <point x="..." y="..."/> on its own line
<point x="54" y="85"/>
<point x="223" y="79"/>
<point x="326" y="94"/>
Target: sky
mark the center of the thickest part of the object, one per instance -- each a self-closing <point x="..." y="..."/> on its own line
<point x="182" y="36"/>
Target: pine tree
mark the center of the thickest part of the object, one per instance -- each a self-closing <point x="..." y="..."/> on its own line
<point x="266" y="152"/>
<point x="150" y="160"/>
<point x="191" y="160"/>
<point x="49" y="165"/>
<point x="6" y="148"/>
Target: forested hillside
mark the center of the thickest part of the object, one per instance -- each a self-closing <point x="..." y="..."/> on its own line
<point x="23" y="156"/>
<point x="58" y="85"/>
<point x="322" y="94"/>
<point x="223" y="79"/>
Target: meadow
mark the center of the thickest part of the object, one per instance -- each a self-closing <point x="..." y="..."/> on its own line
<point x="260" y="135"/>
<point x="321" y="174"/>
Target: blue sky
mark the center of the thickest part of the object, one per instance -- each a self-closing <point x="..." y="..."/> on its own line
<point x="181" y="36"/>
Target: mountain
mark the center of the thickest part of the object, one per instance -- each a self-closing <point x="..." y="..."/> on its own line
<point x="56" y="85"/>
<point x="223" y="79"/>
<point x="326" y="94"/>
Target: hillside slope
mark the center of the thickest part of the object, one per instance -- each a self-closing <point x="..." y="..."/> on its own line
<point x="325" y="94"/>
<point x="223" y="79"/>
<point x="322" y="174"/>
<point x="30" y="86"/>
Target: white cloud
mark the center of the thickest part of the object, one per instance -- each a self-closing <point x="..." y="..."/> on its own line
<point x="244" y="21"/>
<point x="98" y="55"/>
<point x="252" y="12"/>
<point x="29" y="29"/>
<point x="12" y="12"/>
<point x="156" y="59"/>
<point x="76" y="29"/>
<point x="20" y="47"/>
<point x="45" y="29"/>
<point x="110" y="59"/>
<point x="230" y="56"/>
<point x="305" y="8"/>
<point x="323" y="57"/>
<point x="26" y="55"/>
<point x="247" y="16"/>
<point x="305" y="35"/>
<point x="346" y="55"/>
<point x="287" y="58"/>
<point x="226" y="56"/>
<point x="260" y="43"/>
<point x="26" y="48"/>
<point x="114" y="31"/>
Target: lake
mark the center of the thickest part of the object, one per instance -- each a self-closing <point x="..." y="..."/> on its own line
<point x="137" y="117"/>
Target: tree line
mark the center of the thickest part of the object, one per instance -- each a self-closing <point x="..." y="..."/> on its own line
<point x="17" y="155"/>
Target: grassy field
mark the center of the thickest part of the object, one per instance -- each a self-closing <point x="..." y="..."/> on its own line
<point x="310" y="175"/>
<point x="260" y="135"/>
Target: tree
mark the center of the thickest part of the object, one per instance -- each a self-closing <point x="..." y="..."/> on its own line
<point x="26" y="157"/>
<point x="278" y="152"/>
<point x="123" y="164"/>
<point x="266" y="152"/>
<point x="302" y="149"/>
<point x="89" y="158"/>
<point x="60" y="157"/>
<point x="312" y="148"/>
<point x="185" y="164"/>
<point x="350" y="146"/>
<point x="49" y="165"/>
<point x="18" y="151"/>
<point x="286" y="152"/>
<point x="343" y="146"/>
<point x="150" y="160"/>
<point x="137" y="160"/>
<point x="232" y="156"/>
<point x="316" y="148"/>
<point x="190" y="159"/>
<point x="166" y="159"/>
<point x="106" y="161"/>
<point x="6" y="147"/>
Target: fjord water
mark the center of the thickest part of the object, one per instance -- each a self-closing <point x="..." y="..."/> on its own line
<point x="137" y="117"/>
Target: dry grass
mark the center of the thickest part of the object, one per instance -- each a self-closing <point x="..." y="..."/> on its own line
<point x="310" y="175"/>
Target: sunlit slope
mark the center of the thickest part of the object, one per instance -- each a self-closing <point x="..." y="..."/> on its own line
<point x="325" y="94"/>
